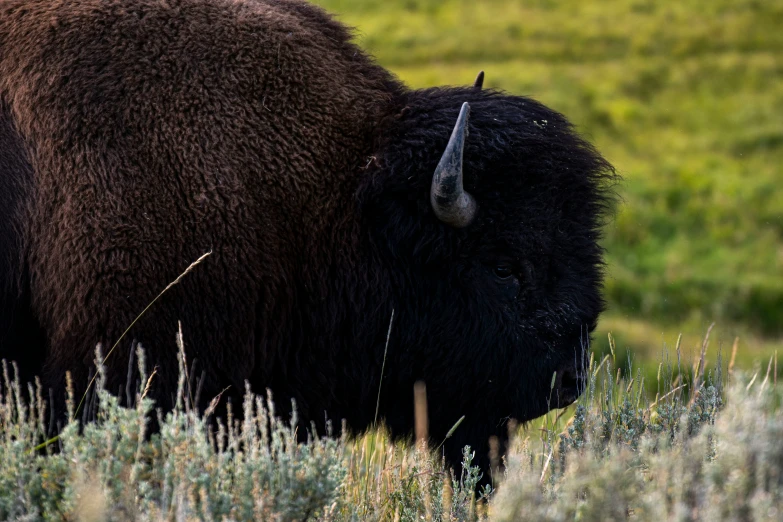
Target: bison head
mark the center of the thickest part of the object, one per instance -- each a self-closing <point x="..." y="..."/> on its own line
<point x="485" y="210"/>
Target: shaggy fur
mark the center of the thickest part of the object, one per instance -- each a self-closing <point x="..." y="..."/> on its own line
<point x="135" y="135"/>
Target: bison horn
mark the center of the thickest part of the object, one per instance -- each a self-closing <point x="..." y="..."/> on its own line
<point x="479" y="83"/>
<point x="448" y="198"/>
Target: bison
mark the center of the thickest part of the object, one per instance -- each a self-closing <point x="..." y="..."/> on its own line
<point x="135" y="135"/>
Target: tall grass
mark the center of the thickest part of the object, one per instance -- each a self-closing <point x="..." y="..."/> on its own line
<point x="707" y="447"/>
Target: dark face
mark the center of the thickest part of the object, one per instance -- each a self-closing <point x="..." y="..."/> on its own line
<point x="491" y="308"/>
<point x="528" y="301"/>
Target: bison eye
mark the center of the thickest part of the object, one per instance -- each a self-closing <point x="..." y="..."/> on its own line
<point x="504" y="272"/>
<point x="506" y="278"/>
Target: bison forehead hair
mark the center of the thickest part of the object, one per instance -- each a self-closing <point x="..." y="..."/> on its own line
<point x="137" y="134"/>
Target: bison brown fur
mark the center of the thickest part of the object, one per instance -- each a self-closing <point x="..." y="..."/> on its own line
<point x="135" y="135"/>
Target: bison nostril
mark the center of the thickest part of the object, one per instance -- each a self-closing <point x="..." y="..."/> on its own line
<point x="569" y="384"/>
<point x="569" y="380"/>
<point x="567" y="376"/>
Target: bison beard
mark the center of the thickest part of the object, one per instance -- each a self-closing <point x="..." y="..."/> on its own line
<point x="136" y="134"/>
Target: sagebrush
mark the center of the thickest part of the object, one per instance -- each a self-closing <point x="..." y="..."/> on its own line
<point x="707" y="448"/>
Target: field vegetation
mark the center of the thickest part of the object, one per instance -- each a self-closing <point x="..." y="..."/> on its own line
<point x="711" y="453"/>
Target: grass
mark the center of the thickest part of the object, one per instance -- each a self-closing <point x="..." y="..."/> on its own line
<point x="706" y="451"/>
<point x="646" y="345"/>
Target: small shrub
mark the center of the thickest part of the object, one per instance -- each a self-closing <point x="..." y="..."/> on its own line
<point x="699" y="451"/>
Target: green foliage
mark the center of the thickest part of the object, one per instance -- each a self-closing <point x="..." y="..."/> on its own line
<point x="697" y="451"/>
<point x="253" y="470"/>
<point x="684" y="98"/>
<point x="686" y="459"/>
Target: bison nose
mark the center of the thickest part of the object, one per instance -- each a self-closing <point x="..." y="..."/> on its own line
<point x="569" y="384"/>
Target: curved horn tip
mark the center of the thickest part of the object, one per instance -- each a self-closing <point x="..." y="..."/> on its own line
<point x="450" y="202"/>
<point x="479" y="83"/>
<point x="462" y="119"/>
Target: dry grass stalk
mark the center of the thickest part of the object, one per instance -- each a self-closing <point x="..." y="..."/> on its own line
<point x="189" y="269"/>
<point x="420" y="408"/>
<point x="148" y="385"/>
<point x="766" y="377"/>
<point x="733" y="355"/>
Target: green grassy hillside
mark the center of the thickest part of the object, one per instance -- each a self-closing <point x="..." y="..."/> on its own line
<point x="684" y="98"/>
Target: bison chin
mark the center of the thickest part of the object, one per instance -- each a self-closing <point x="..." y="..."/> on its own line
<point x="569" y="382"/>
<point x="569" y="385"/>
<point x="491" y="413"/>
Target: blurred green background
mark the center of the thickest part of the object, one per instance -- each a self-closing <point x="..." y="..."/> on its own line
<point x="684" y="98"/>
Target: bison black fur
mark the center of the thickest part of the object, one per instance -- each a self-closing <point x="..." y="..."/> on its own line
<point x="135" y="135"/>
